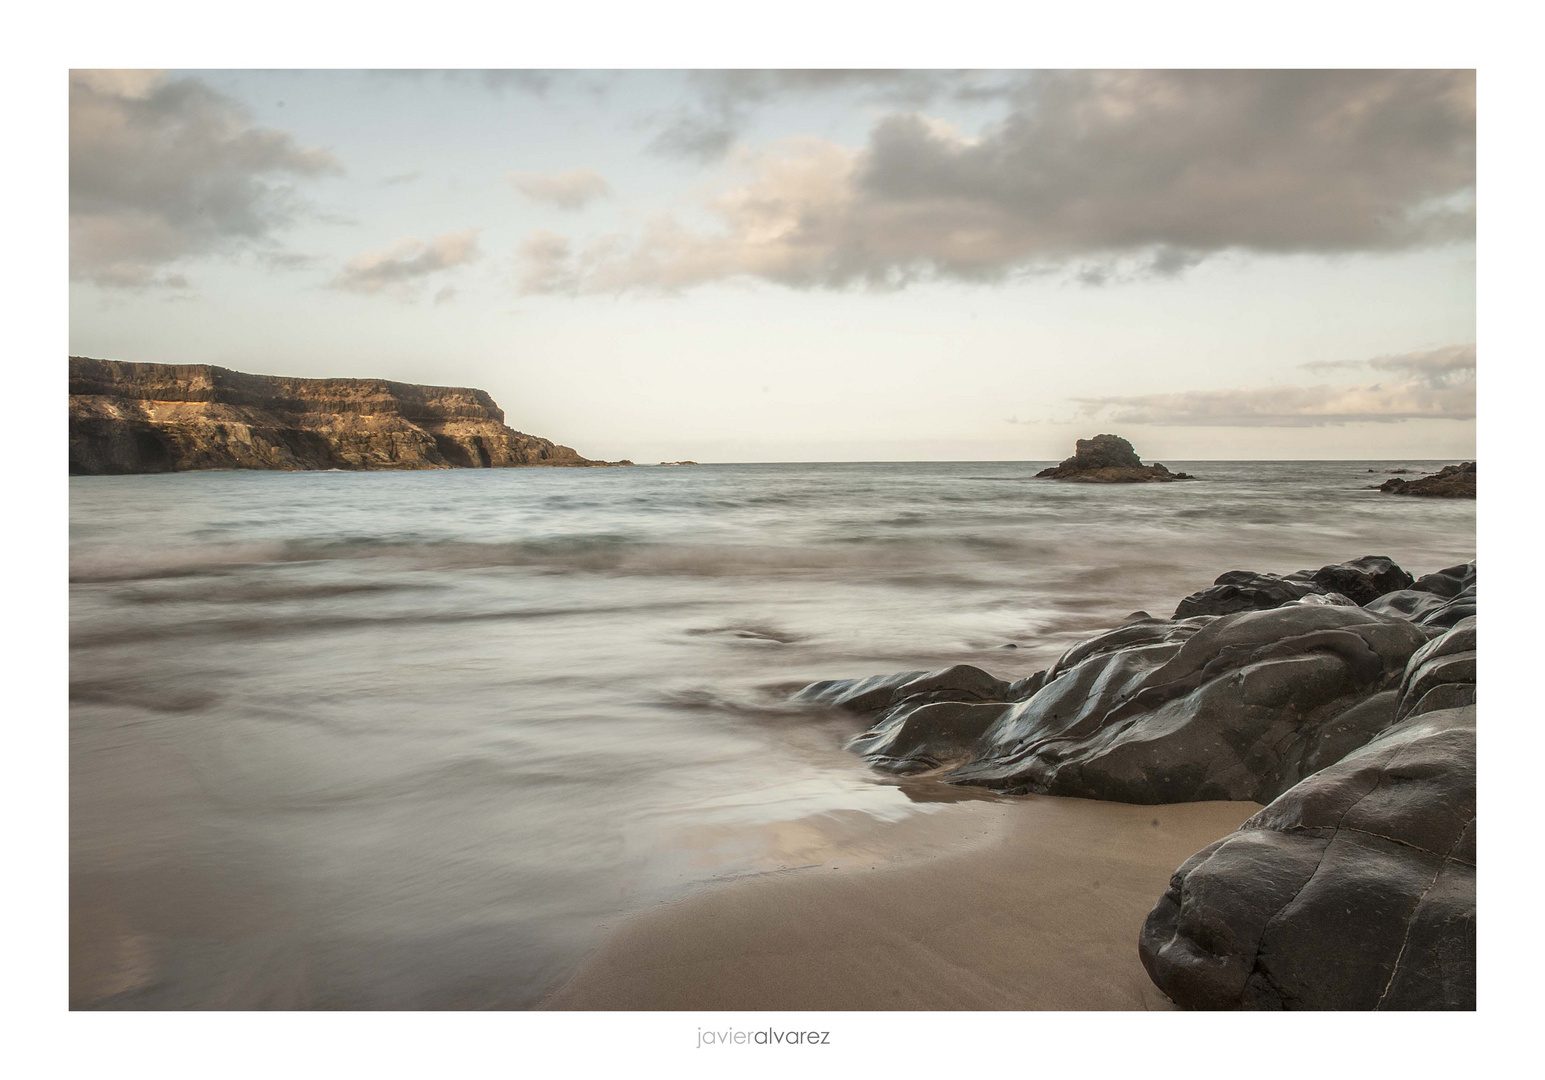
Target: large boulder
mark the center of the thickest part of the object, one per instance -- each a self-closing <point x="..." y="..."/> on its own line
<point x="1353" y="890"/>
<point x="1245" y="590"/>
<point x="1108" y="459"/>
<point x="1362" y="580"/>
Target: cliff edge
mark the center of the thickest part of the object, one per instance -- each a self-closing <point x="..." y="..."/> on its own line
<point x="151" y="418"/>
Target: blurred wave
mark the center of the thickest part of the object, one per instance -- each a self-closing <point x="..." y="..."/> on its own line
<point x="407" y="740"/>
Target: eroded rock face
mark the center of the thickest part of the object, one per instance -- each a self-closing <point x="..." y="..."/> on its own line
<point x="1108" y="459"/>
<point x="135" y="418"/>
<point x="1449" y="482"/>
<point x="1353" y="890"/>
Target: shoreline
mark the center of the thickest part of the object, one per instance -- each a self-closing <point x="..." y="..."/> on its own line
<point x="1040" y="909"/>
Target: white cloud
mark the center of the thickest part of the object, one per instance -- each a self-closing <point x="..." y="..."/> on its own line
<point x="163" y="169"/>
<point x="1436" y="385"/>
<point x="405" y="261"/>
<point x="572" y="190"/>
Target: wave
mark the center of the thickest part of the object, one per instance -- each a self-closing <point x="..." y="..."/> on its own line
<point x="286" y="625"/>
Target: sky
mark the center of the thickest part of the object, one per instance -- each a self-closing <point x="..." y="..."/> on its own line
<point x="809" y="265"/>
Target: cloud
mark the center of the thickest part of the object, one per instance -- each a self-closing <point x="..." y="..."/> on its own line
<point x="572" y="190"/>
<point x="1437" y="385"/>
<point x="1107" y="175"/>
<point x="723" y="102"/>
<point x="398" y="179"/>
<point x="403" y="262"/>
<point x="165" y="169"/>
<point x="1448" y="366"/>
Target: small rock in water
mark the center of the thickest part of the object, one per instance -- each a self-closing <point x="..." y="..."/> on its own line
<point x="1108" y="459"/>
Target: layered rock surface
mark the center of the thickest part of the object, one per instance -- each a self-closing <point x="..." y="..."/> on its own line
<point x="1108" y="459"/>
<point x="137" y="418"/>
<point x="1262" y="704"/>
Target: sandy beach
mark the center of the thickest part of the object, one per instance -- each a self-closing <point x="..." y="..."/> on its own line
<point x="1037" y="906"/>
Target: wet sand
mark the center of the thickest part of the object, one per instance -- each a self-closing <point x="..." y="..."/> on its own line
<point x="1037" y="907"/>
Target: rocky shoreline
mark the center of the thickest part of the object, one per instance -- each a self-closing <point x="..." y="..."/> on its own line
<point x="157" y="418"/>
<point x="1343" y="697"/>
<point x="1449" y="482"/>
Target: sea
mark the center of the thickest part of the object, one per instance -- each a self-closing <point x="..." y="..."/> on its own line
<point x="419" y="740"/>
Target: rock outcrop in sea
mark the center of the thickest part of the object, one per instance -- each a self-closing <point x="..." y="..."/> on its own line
<point x="148" y="418"/>
<point x="1342" y="697"/>
<point x="1108" y="459"/>
<point x="1449" y="482"/>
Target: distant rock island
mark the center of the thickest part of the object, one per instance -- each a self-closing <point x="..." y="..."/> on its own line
<point x="678" y="463"/>
<point x="1109" y="459"/>
<point x="155" y="418"/>
<point x="1449" y="482"/>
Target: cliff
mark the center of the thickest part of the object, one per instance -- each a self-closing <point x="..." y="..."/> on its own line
<point x="143" y="418"/>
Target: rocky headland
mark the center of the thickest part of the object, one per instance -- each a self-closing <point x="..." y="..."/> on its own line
<point x="1449" y="482"/>
<point x="153" y="418"/>
<point x="1108" y="459"/>
<point x="1343" y="698"/>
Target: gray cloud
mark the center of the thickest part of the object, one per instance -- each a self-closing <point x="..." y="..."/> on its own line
<point x="723" y="102"/>
<point x="398" y="179"/>
<point x="163" y="169"/>
<point x="1108" y="175"/>
<point x="400" y="265"/>
<point x="1448" y="366"/>
<point x="1436" y="385"/>
<point x="572" y="190"/>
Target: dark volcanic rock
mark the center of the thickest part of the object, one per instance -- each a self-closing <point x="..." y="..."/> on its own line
<point x="1108" y="459"/>
<point x="1244" y="590"/>
<point x="1355" y="887"/>
<point x="1358" y="581"/>
<point x="1239" y="707"/>
<point x="1441" y="674"/>
<point x="1362" y="580"/>
<point x="136" y="418"/>
<point x="1437" y="601"/>
<point x="1449" y="482"/>
<point x="1448" y="582"/>
<point x="1353" y="890"/>
<point x="959" y="683"/>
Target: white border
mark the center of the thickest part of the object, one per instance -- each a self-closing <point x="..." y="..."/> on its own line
<point x="1496" y="38"/>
